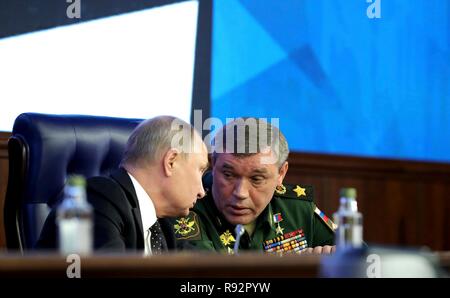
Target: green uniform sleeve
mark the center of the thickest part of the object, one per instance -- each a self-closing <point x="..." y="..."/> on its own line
<point x="322" y="233"/>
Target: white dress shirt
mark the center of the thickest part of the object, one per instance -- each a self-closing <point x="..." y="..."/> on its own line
<point x="148" y="213"/>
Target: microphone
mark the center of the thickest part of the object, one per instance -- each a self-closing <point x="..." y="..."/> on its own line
<point x="239" y="230"/>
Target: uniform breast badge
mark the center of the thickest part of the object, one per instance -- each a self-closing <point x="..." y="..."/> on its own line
<point x="277" y="218"/>
<point x="227" y="238"/>
<point x="292" y="242"/>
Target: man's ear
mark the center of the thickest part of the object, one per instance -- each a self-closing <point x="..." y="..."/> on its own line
<point x="282" y="172"/>
<point x="170" y="158"/>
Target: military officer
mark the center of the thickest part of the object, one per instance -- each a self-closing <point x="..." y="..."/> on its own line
<point x="245" y="187"/>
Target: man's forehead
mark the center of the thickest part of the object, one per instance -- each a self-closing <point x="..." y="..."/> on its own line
<point x="203" y="156"/>
<point x="251" y="163"/>
<point x="200" y="153"/>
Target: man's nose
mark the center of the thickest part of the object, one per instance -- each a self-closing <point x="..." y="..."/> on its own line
<point x="202" y="192"/>
<point x="241" y="189"/>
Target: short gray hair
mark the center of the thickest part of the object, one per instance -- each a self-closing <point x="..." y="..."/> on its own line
<point x="247" y="136"/>
<point x="153" y="137"/>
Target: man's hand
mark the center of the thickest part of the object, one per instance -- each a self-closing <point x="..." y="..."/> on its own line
<point x="320" y="250"/>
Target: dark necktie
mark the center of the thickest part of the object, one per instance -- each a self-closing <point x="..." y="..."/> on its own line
<point x="157" y="240"/>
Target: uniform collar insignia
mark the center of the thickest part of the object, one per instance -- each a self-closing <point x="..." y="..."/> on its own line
<point x="280" y="189"/>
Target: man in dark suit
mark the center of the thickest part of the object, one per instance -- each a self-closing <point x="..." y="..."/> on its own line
<point x="159" y="177"/>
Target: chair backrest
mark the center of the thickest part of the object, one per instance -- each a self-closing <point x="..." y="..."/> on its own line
<point x="43" y="151"/>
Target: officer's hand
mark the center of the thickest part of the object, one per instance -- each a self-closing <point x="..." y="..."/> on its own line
<point x="320" y="250"/>
<point x="327" y="249"/>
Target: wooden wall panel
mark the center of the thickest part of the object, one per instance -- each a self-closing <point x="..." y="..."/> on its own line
<point x="403" y="202"/>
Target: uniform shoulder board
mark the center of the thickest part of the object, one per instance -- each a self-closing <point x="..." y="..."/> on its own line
<point x="295" y="191"/>
<point x="187" y="227"/>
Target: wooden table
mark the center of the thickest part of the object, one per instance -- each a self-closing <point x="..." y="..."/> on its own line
<point x="173" y="265"/>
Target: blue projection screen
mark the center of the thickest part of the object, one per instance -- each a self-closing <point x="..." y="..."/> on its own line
<point x="339" y="81"/>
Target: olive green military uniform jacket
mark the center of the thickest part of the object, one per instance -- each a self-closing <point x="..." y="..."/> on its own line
<point x="290" y="212"/>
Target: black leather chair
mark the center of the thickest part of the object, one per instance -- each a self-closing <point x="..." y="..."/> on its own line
<point x="43" y="151"/>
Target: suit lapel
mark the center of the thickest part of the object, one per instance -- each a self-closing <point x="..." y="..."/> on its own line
<point x="121" y="176"/>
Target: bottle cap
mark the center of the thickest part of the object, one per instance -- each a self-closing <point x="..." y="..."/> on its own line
<point x="76" y="180"/>
<point x="348" y="192"/>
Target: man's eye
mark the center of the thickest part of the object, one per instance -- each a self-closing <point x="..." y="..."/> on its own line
<point x="227" y="174"/>
<point x="257" y="179"/>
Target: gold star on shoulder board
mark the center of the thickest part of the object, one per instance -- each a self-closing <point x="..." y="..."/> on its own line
<point x="299" y="191"/>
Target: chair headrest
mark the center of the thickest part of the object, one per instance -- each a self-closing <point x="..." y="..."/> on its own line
<point x="60" y="145"/>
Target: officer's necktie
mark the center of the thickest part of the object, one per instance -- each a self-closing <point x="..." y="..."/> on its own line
<point x="157" y="241"/>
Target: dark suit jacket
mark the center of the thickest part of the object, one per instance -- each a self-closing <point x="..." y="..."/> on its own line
<point x="117" y="218"/>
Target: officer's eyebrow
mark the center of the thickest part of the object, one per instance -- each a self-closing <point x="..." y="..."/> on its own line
<point x="227" y="166"/>
<point x="260" y="171"/>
